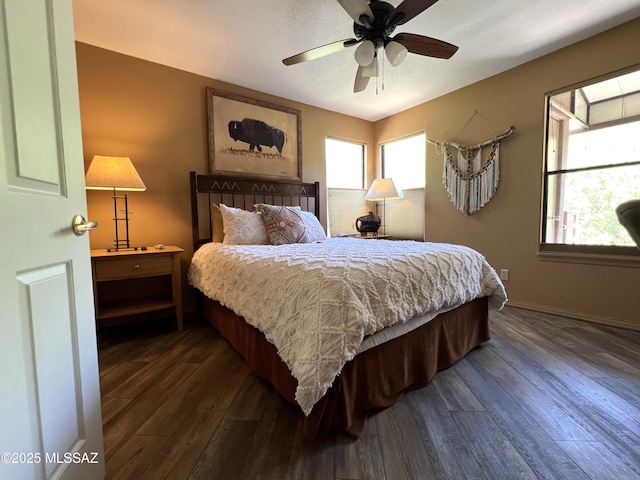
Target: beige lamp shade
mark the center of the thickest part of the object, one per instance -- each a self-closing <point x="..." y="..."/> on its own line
<point x="113" y="173"/>
<point x="383" y="189"/>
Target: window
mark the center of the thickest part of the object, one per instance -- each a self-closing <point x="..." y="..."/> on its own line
<point x="404" y="161"/>
<point x="345" y="163"/>
<point x="592" y="165"/>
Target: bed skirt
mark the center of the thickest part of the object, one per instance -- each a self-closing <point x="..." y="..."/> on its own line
<point x="376" y="378"/>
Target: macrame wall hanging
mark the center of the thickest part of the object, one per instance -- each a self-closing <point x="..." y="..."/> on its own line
<point x="470" y="181"/>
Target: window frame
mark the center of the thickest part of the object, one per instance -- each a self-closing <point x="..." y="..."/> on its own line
<point x="580" y="253"/>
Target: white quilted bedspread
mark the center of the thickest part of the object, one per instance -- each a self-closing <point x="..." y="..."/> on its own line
<point x="317" y="301"/>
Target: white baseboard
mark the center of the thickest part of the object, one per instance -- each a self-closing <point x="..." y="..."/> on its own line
<point x="587" y="317"/>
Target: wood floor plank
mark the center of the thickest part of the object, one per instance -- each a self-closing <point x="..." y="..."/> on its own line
<point x="185" y="405"/>
<point x="449" y="453"/>
<point x="134" y="456"/>
<point x="198" y="345"/>
<point x="599" y="462"/>
<point x="549" y="353"/>
<point x="532" y="442"/>
<point x="455" y="392"/>
<point x="607" y="424"/>
<point x="491" y="448"/>
<point x="623" y="388"/>
<point x="212" y="373"/>
<point x="124" y="424"/>
<point x="111" y="406"/>
<point x="176" y="459"/>
<point x="179" y="455"/>
<point x="313" y="460"/>
<point x="621" y="366"/>
<point x="401" y="443"/>
<point x="249" y="403"/>
<point x="557" y="368"/>
<point x="144" y="341"/>
<point x="145" y="376"/>
<point x="225" y="453"/>
<point x="360" y="459"/>
<point x="597" y="409"/>
<point x="113" y="377"/>
<point x="271" y="445"/>
<point x="545" y="410"/>
<point x="591" y="340"/>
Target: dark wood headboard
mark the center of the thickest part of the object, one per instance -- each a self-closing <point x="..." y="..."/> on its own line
<point x="243" y="193"/>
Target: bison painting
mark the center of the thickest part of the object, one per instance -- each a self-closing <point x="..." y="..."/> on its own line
<point x="257" y="133"/>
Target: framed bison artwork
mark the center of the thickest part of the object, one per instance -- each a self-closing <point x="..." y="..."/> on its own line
<point x="253" y="138"/>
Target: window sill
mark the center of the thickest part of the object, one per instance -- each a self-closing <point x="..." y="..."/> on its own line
<point x="630" y="260"/>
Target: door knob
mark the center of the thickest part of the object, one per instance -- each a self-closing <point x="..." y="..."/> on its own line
<point x="81" y="226"/>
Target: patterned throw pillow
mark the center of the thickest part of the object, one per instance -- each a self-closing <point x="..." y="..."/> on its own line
<point x="315" y="232"/>
<point x="242" y="227"/>
<point x="284" y="225"/>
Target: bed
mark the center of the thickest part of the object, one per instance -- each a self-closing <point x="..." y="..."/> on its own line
<point x="339" y="343"/>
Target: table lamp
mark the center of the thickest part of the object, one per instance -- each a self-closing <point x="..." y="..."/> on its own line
<point x="115" y="173"/>
<point x="383" y="189"/>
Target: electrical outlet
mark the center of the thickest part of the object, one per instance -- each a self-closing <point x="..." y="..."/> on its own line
<point x="504" y="274"/>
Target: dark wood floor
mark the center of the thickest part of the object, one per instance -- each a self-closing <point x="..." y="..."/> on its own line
<point x="547" y="397"/>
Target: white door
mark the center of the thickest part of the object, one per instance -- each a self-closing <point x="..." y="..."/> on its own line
<point x="50" y="419"/>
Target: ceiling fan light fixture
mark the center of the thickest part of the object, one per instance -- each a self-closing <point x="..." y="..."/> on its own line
<point x="365" y="52"/>
<point x="371" y="70"/>
<point x="395" y="52"/>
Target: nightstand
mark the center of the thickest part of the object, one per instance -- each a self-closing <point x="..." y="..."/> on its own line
<point x="373" y="237"/>
<point x="129" y="282"/>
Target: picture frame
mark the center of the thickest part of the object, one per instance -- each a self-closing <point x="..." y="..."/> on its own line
<point x="253" y="138"/>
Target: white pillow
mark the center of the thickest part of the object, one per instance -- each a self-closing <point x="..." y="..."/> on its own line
<point x="217" y="225"/>
<point x="242" y="227"/>
<point x="315" y="232"/>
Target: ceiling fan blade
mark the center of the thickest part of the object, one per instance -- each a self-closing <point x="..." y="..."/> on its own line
<point x="427" y="46"/>
<point x="357" y="8"/>
<point x="409" y="9"/>
<point x="319" y="52"/>
<point x="361" y="81"/>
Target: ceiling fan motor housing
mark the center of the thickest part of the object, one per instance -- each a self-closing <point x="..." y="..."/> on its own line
<point x="378" y="31"/>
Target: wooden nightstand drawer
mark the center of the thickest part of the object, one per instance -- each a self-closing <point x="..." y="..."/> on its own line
<point x="132" y="267"/>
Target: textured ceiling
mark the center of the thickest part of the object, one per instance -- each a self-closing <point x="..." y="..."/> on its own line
<point x="243" y="42"/>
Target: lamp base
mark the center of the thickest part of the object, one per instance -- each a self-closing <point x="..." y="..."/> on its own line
<point x="383" y="218"/>
<point x="121" y="249"/>
<point x="121" y="244"/>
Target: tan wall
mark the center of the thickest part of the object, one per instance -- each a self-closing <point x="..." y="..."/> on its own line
<point x="506" y="230"/>
<point x="157" y="116"/>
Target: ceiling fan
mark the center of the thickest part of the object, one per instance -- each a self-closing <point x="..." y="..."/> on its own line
<point x="374" y="22"/>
